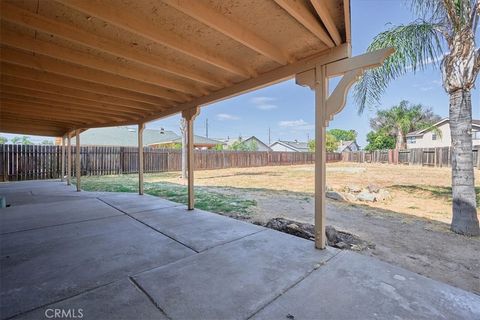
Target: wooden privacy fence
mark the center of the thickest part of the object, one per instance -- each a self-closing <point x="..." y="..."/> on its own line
<point x="30" y="162"/>
<point x="434" y="157"/>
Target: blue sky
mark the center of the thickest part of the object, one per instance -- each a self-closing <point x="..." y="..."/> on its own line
<point x="288" y="109"/>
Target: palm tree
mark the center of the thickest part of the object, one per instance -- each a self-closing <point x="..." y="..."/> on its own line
<point x="444" y="26"/>
<point x="402" y="119"/>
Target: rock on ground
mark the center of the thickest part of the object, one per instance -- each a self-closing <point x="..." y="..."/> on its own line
<point x="335" y="238"/>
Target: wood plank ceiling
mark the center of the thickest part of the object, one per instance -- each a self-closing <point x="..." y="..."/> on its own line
<point x="71" y="64"/>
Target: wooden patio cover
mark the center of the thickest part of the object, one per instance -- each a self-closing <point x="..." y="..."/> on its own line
<point x="75" y="64"/>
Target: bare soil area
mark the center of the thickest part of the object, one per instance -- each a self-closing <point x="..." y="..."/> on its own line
<point x="419" y="191"/>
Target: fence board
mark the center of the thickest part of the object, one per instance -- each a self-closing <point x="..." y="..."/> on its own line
<point x="29" y="162"/>
<point x="433" y="157"/>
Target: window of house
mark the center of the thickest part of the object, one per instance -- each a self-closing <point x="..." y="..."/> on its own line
<point x="411" y="140"/>
<point x="434" y="136"/>
<point x="476" y="135"/>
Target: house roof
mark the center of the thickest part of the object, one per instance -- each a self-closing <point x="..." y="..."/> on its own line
<point x="345" y="144"/>
<point x="420" y="132"/>
<point x="128" y="137"/>
<point x="76" y="64"/>
<point x="232" y="141"/>
<point x="199" y="140"/>
<point x="295" y="145"/>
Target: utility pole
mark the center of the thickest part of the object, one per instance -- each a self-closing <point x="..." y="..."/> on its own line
<point x="206" y="127"/>
<point x="269" y="137"/>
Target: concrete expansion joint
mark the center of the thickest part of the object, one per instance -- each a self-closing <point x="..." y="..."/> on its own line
<point x="308" y="273"/>
<point x="149" y="226"/>
<point x="139" y="288"/>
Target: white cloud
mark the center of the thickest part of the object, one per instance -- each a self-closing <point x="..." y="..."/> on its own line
<point x="292" y="123"/>
<point x="296" y="124"/>
<point x="226" y="116"/>
<point x="264" y="103"/>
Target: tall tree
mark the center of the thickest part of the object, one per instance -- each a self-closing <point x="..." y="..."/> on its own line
<point x="3" y="140"/>
<point x="21" y="140"/>
<point x="443" y="26"/>
<point x="343" y="135"/>
<point x="331" y="143"/>
<point x="379" y="140"/>
<point x="402" y="119"/>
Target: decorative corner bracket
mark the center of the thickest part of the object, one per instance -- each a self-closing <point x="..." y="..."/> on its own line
<point x="351" y="69"/>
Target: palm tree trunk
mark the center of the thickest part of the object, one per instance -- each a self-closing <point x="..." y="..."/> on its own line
<point x="464" y="220"/>
<point x="400" y="143"/>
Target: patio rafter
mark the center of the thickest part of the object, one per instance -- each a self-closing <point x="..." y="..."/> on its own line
<point x="230" y="28"/>
<point x="125" y="20"/>
<point x="107" y="102"/>
<point x="307" y="19"/>
<point x="132" y="98"/>
<point x="327" y="19"/>
<point x="32" y="20"/>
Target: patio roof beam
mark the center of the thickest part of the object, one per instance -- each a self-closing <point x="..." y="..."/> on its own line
<point x="307" y="19"/>
<point x="230" y="28"/>
<point x="52" y="50"/>
<point x="327" y="20"/>
<point x="132" y="98"/>
<point x="35" y="21"/>
<point x="263" y="80"/>
<point x="44" y="63"/>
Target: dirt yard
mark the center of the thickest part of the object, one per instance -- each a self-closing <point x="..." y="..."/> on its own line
<point x="410" y="229"/>
<point x="418" y="191"/>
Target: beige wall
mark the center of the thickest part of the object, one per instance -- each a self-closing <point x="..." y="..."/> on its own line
<point x="426" y="141"/>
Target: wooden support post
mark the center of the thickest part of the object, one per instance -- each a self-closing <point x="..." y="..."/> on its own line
<point x="62" y="164"/>
<point x="141" y="126"/>
<point x="77" y="159"/>
<point x="321" y="91"/>
<point x="69" y="159"/>
<point x="189" y="116"/>
<point x="326" y="106"/>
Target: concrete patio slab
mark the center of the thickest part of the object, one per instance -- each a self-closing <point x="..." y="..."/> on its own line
<point x="121" y="300"/>
<point x="234" y="280"/>
<point x="31" y="216"/>
<point x="352" y="286"/>
<point x="140" y="266"/>
<point x="197" y="229"/>
<point x="67" y="265"/>
<point x="133" y="203"/>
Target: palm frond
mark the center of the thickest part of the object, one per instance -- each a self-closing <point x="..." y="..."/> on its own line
<point x="416" y="46"/>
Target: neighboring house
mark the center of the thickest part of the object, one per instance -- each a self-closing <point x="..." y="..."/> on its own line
<point x="202" y="142"/>
<point x="348" y="146"/>
<point x="290" y="146"/>
<point x="429" y="138"/>
<point x="260" y="144"/>
<point x="128" y="137"/>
